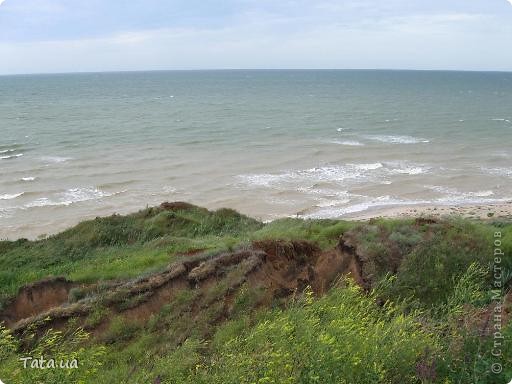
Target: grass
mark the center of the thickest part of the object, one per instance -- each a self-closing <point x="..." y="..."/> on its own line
<point x="118" y="247"/>
<point x="430" y="281"/>
<point x="325" y="233"/>
<point x="329" y="340"/>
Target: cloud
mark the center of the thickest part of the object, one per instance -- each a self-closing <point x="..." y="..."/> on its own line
<point x="402" y="43"/>
<point x="2" y="1"/>
<point x="333" y="34"/>
<point x="510" y="1"/>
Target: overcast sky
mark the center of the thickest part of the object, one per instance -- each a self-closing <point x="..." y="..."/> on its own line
<point x="110" y="35"/>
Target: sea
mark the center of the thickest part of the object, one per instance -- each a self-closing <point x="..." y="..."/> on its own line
<point x="268" y="143"/>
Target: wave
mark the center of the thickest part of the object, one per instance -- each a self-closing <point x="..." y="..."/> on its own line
<point x="7" y="150"/>
<point x="409" y="171"/>
<point x="454" y="196"/>
<point x="405" y="168"/>
<point x="363" y="172"/>
<point x="71" y="196"/>
<point x="29" y="178"/>
<point x="503" y="120"/>
<point x="5" y="212"/>
<point x="55" y="159"/>
<point x="169" y="189"/>
<point x="11" y="196"/>
<point x="334" y="210"/>
<point x="390" y="139"/>
<point x="352" y="143"/>
<point x="334" y="173"/>
<point x="380" y="201"/>
<point x="367" y="167"/>
<point x="500" y="171"/>
<point x="11" y="156"/>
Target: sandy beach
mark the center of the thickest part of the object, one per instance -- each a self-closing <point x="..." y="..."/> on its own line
<point x="481" y="211"/>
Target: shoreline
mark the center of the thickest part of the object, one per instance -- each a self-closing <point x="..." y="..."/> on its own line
<point x="484" y="212"/>
<point x="469" y="211"/>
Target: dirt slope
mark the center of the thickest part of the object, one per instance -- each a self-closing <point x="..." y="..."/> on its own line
<point x="279" y="269"/>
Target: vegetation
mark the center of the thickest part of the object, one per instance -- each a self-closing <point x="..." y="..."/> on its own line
<point x="51" y="358"/>
<point x="120" y="246"/>
<point x="424" y="315"/>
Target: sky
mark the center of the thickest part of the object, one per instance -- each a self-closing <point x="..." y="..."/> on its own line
<point x="46" y="36"/>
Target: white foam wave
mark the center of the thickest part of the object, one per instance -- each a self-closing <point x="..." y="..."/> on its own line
<point x="11" y="156"/>
<point x="6" y="212"/>
<point x="74" y="195"/>
<point x="169" y="189"/>
<point x="10" y="196"/>
<point x="409" y="171"/>
<point x="374" y="172"/>
<point x="500" y="171"/>
<point x="405" y="168"/>
<point x="335" y="173"/>
<point x="482" y="193"/>
<point x="55" y="159"/>
<point x="334" y="210"/>
<point x="30" y="178"/>
<point x="390" y="139"/>
<point x="381" y="201"/>
<point x="41" y="202"/>
<point x="322" y="192"/>
<point x="70" y="196"/>
<point x="352" y="143"/>
<point x="454" y="196"/>
<point x="367" y="167"/>
<point x="503" y="120"/>
<point x="7" y="151"/>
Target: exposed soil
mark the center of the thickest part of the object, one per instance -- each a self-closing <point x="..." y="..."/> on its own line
<point x="36" y="298"/>
<point x="488" y="319"/>
<point x="276" y="269"/>
<point x="279" y="269"/>
<point x="176" y="206"/>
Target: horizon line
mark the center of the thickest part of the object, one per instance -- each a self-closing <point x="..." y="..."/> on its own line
<point x="254" y="69"/>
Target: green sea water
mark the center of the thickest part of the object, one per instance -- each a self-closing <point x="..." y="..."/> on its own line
<point x="267" y="143"/>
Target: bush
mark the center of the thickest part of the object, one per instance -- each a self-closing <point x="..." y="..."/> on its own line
<point x="430" y="271"/>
